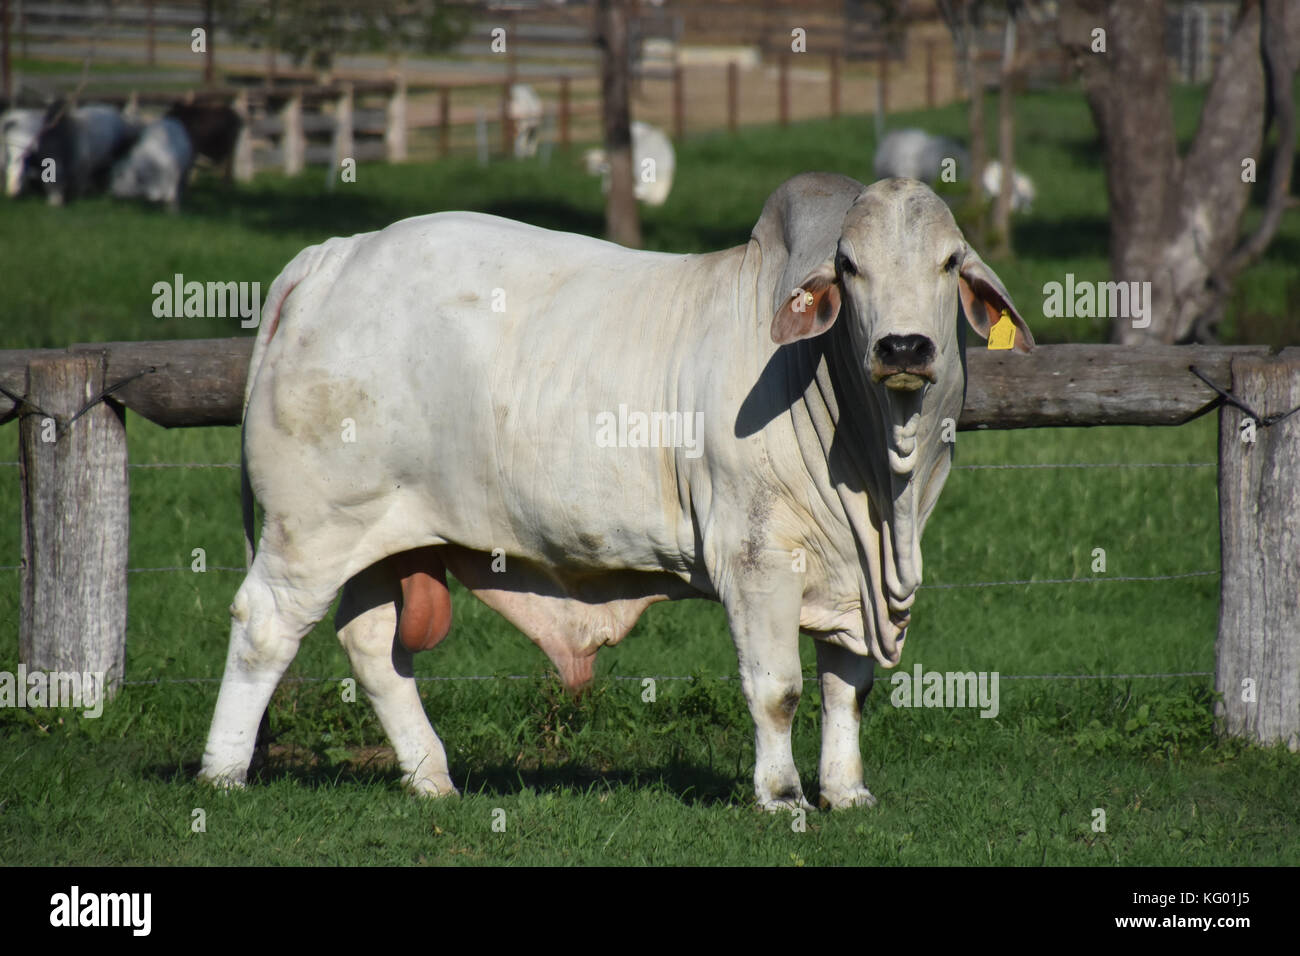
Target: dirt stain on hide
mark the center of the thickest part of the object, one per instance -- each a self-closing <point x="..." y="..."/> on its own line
<point x="751" y="548"/>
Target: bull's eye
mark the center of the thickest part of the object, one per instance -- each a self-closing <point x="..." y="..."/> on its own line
<point x="847" y="267"/>
<point x="951" y="263"/>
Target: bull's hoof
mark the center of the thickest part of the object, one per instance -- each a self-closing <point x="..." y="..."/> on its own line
<point x="843" y="799"/>
<point x="431" y="786"/>
<point x="224" y="782"/>
<point x="784" y="803"/>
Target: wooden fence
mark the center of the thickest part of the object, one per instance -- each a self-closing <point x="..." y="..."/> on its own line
<point x="290" y="127"/>
<point x="73" y="461"/>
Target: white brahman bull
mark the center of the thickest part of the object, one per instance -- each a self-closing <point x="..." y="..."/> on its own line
<point x="478" y="364"/>
<point x="157" y="167"/>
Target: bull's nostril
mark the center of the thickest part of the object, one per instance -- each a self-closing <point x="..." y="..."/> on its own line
<point x="905" y="351"/>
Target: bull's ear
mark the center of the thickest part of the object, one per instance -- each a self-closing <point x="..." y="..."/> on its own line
<point x="983" y="297"/>
<point x="811" y="309"/>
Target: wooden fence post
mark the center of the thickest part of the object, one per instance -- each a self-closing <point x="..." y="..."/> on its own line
<point x="882" y="87"/>
<point x="75" y="520"/>
<point x="1257" y="666"/>
<point x="444" y="122"/>
<point x="929" y="74"/>
<point x="835" y="84"/>
<point x="209" y="38"/>
<point x="783" y="95"/>
<point x="343" y="142"/>
<point x="679" y="103"/>
<point x="564" y="112"/>
<point x="395" y="122"/>
<point x="243" y="160"/>
<point x="507" y="121"/>
<point x="733" y="95"/>
<point x="293" y="141"/>
<point x="151" y="57"/>
<point x="6" y="73"/>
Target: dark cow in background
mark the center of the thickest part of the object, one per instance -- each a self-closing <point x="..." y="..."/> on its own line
<point x="213" y="131"/>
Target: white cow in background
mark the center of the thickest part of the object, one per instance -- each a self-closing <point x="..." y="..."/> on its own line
<point x="761" y="426"/>
<point x="653" y="164"/>
<point x="526" y="114"/>
<point x="916" y="154"/>
<point x="20" y="129"/>
<point x="1023" y="192"/>
<point x="157" y="166"/>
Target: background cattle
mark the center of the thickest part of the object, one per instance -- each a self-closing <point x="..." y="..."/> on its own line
<point x="73" y="152"/>
<point x="916" y="154"/>
<point x="20" y="128"/>
<point x="213" y="132"/>
<point x="157" y="166"/>
<point x="526" y="114"/>
<point x="653" y="163"/>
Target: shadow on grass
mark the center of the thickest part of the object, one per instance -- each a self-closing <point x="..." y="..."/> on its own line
<point x="691" y="783"/>
<point x="300" y="208"/>
<point x="296" y="209"/>
<point x="1062" y="238"/>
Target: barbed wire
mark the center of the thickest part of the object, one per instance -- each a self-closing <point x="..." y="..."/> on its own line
<point x="655" y="677"/>
<point x="1098" y="464"/>
<point x="215" y="567"/>
<point x="1117" y="579"/>
<point x="1095" y="580"/>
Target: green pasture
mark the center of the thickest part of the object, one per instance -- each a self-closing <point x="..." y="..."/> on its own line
<point x="612" y="777"/>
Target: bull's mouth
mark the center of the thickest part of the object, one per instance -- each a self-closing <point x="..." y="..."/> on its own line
<point x="903" y="379"/>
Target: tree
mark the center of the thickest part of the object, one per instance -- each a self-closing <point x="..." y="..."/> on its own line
<point x="1175" y="220"/>
<point x="1006" y="132"/>
<point x="622" y="219"/>
<point x="315" y="31"/>
<point x="963" y="20"/>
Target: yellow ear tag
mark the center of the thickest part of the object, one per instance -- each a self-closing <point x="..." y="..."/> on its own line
<point x="1003" y="333"/>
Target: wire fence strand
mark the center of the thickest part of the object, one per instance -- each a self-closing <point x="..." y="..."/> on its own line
<point x="1114" y="579"/>
<point x="1086" y="464"/>
<point x="655" y="677"/>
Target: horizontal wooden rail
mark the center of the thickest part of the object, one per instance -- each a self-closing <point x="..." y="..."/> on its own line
<point x="200" y="382"/>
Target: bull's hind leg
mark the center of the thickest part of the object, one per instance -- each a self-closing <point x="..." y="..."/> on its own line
<point x="275" y="606"/>
<point x="368" y="629"/>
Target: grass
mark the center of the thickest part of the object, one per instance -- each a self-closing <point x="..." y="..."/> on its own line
<point x="613" y="778"/>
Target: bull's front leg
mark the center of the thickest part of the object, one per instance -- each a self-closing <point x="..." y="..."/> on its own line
<point x="764" y="616"/>
<point x="845" y="681"/>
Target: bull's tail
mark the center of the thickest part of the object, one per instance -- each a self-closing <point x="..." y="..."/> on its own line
<point x="301" y="266"/>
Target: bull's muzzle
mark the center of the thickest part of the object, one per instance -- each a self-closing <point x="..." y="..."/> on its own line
<point x="903" y="363"/>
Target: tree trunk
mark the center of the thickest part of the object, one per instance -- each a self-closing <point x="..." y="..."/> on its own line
<point x="622" y="219"/>
<point x="978" y="151"/>
<point x="1175" y="221"/>
<point x="1006" y="137"/>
